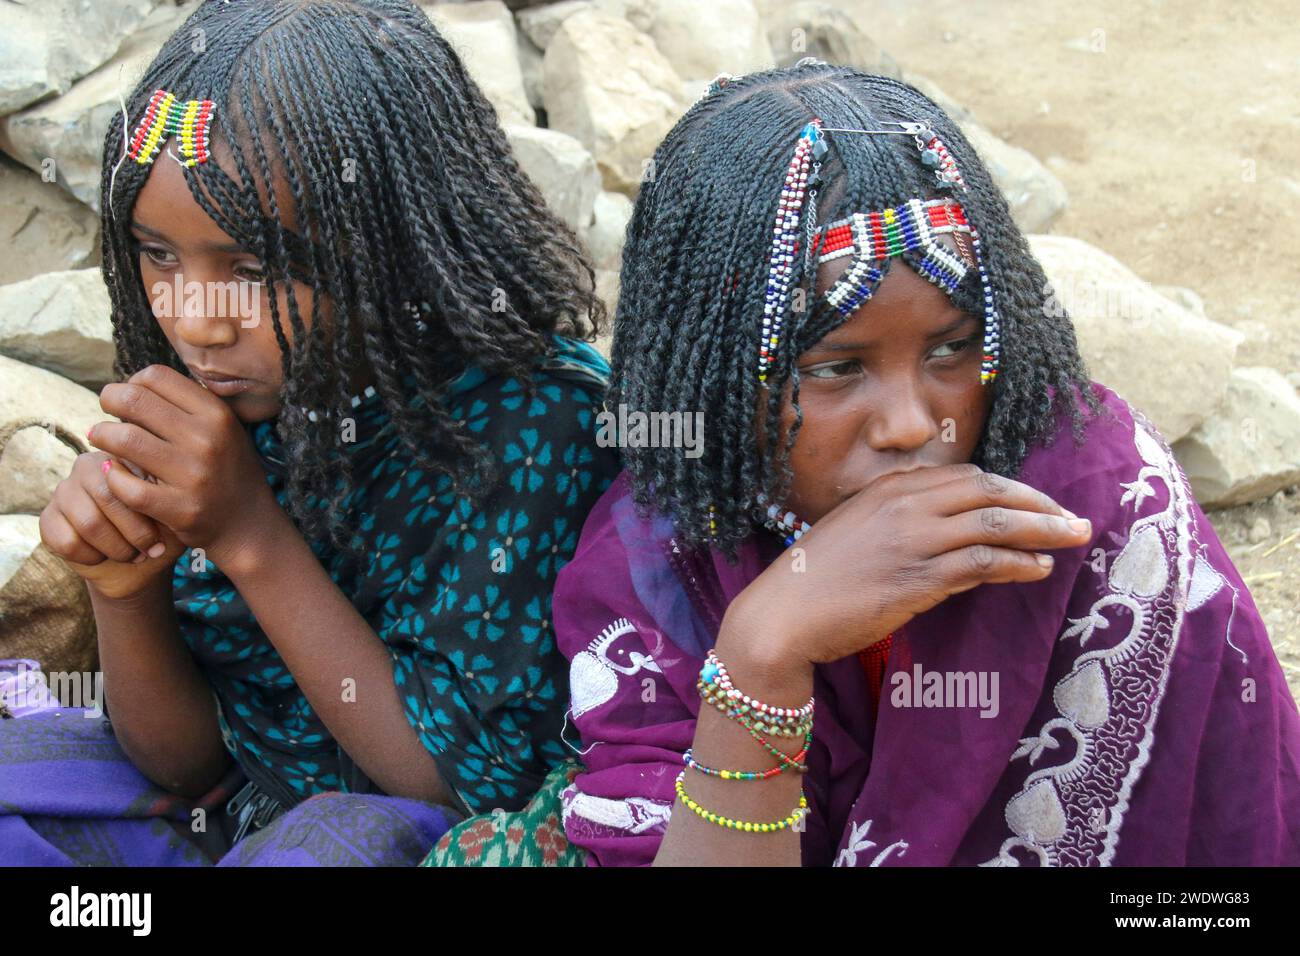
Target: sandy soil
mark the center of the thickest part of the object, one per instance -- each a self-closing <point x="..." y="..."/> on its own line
<point x="1175" y="127"/>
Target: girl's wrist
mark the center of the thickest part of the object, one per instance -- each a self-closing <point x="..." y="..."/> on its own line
<point x="762" y="656"/>
<point x="150" y="592"/>
<point x="242" y="550"/>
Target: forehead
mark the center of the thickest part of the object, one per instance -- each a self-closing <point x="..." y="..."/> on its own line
<point x="166" y="201"/>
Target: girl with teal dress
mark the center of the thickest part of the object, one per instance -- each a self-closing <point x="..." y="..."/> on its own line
<point x="353" y="443"/>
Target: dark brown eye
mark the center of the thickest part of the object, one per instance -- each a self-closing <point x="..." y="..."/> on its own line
<point x="834" y="370"/>
<point x="158" y="256"/>
<point x="959" y="345"/>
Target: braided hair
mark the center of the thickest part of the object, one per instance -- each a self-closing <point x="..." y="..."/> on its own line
<point x="437" y="253"/>
<point x="695" y="271"/>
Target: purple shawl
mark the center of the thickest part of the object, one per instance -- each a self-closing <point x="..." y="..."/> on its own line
<point x="1142" y="717"/>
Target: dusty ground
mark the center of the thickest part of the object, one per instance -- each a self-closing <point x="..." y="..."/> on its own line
<point x="1176" y="129"/>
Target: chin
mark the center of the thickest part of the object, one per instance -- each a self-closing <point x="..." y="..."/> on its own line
<point x="251" y="410"/>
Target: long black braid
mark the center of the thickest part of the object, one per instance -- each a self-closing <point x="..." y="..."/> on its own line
<point x="438" y="253"/>
<point x="695" y="273"/>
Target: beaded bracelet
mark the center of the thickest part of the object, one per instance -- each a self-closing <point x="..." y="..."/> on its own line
<point x="784" y="758"/>
<point x="715" y="672"/>
<point x="731" y="824"/>
<point x="732" y="707"/>
<point x="690" y="761"/>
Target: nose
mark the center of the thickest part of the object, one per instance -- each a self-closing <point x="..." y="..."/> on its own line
<point x="901" y="420"/>
<point x="204" y="318"/>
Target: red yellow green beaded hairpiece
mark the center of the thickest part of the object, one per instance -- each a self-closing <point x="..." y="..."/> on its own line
<point x="164" y="116"/>
<point x="871" y="238"/>
<point x="167" y="116"/>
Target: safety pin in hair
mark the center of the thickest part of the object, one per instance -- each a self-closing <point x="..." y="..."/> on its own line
<point x="933" y="152"/>
<point x="904" y="129"/>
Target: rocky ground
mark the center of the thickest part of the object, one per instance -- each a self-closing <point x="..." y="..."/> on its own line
<point x="1176" y="137"/>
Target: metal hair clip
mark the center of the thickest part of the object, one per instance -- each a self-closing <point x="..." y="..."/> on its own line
<point x="933" y="153"/>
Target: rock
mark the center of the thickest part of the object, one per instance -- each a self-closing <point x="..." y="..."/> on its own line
<point x="60" y="321"/>
<point x="639" y="13"/>
<point x="69" y="130"/>
<point x="540" y="23"/>
<point x="1131" y="337"/>
<point x="33" y="397"/>
<point x="530" y="68"/>
<point x="702" y="40"/>
<point x="1249" y="448"/>
<point x="607" y="86"/>
<point x="483" y="34"/>
<point x="1185" y="297"/>
<point x="43" y="603"/>
<point x="1260" y="530"/>
<point x="797" y="30"/>
<point x="561" y="168"/>
<point x="612" y="213"/>
<point x="45" y="46"/>
<point x="32" y="463"/>
<point x="42" y="228"/>
<point x="1036" y="196"/>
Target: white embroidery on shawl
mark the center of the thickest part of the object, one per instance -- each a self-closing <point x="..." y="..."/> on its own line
<point x="632" y="815"/>
<point x="858" y="843"/>
<point x="1206" y="583"/>
<point x="1108" y="703"/>
<point x="593" y="674"/>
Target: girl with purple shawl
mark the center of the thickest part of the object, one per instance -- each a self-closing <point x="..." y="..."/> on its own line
<point x="321" y="533"/>
<point x="1023" y="641"/>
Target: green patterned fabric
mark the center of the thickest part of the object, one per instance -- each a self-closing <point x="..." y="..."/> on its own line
<point x="458" y="591"/>
<point x="534" y="836"/>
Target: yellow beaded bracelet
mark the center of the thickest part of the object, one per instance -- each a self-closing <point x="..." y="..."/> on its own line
<point x="731" y="824"/>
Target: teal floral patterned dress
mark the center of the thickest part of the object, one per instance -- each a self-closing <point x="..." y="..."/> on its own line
<point x="460" y="594"/>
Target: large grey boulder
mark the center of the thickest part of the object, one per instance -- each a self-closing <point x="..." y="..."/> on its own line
<point x="609" y="87"/>
<point x="47" y="44"/>
<point x="60" y="322"/>
<point x="42" y="228"/>
<point x="1166" y="360"/>
<point x="702" y="40"/>
<point x="483" y="34"/>
<point x="65" y="135"/>
<point x="1249" y="447"/>
<point x="561" y="168"/>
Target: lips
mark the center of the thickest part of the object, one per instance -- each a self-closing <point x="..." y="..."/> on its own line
<point x="220" y="383"/>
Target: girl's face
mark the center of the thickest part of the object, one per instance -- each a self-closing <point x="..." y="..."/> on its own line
<point x="208" y="295"/>
<point x="896" y="387"/>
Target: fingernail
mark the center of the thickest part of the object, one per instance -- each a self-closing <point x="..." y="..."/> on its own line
<point x="1081" y="524"/>
<point x="139" y="557"/>
<point x="1068" y="513"/>
<point x="106" y="465"/>
<point x="1044" y="560"/>
<point x="157" y="550"/>
<point x="89" y="430"/>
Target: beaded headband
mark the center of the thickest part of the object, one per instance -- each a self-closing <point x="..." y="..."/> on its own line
<point x="872" y="238"/>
